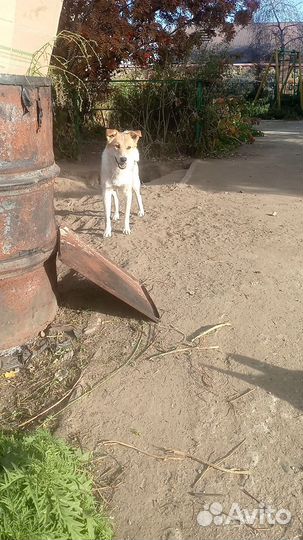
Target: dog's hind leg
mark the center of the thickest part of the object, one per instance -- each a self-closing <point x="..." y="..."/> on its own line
<point x="136" y="188"/>
<point x="116" y="203"/>
<point x="140" y="203"/>
<point x="107" y="198"/>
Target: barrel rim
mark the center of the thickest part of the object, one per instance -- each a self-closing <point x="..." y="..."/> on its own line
<point x="23" y="80"/>
<point x="30" y="178"/>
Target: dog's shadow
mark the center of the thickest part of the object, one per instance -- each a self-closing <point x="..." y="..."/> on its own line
<point x="96" y="231"/>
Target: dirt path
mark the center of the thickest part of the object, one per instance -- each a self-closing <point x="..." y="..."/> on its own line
<point x="207" y="257"/>
<point x="273" y="165"/>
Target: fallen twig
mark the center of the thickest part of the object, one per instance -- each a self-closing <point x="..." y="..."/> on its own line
<point x="132" y="356"/>
<point x="54" y="405"/>
<point x="211" y="465"/>
<point x="251" y="496"/>
<point x="132" y="447"/>
<point x="178" y="455"/>
<point x="183" y="349"/>
<point x="202" y="494"/>
<point x="204" y="330"/>
<point x="108" y="377"/>
<point x="219" y="461"/>
<point x="235" y="398"/>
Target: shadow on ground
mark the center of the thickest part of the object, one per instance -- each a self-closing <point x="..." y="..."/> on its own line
<point x="272" y="165"/>
<point x="283" y="383"/>
<point x="77" y="293"/>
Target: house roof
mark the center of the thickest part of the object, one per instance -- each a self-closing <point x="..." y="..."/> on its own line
<point x="257" y="40"/>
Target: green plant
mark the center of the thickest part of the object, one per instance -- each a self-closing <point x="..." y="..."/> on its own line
<point x="181" y="111"/>
<point x="46" y="491"/>
<point x="164" y="109"/>
<point x="257" y="109"/>
<point x="72" y="96"/>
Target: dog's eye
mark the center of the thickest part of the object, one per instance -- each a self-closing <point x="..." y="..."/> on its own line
<point x="117" y="146"/>
<point x="129" y="147"/>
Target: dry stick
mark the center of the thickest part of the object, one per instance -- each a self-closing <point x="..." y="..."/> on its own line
<point x="197" y="334"/>
<point x="132" y="447"/>
<point x="251" y="496"/>
<point x="179" y="455"/>
<point x="105" y="379"/>
<point x="177" y="330"/>
<point x="202" y="494"/>
<point x="248" y="391"/>
<point x="185" y="349"/>
<point x="130" y="358"/>
<point x="52" y="406"/>
<point x="151" y="338"/>
<point x="219" y="461"/>
<point x="212" y="465"/>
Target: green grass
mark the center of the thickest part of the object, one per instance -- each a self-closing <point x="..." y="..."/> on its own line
<point x="46" y="491"/>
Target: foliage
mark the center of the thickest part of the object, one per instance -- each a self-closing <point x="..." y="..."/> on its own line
<point x="175" y="119"/>
<point x="145" y="32"/>
<point x="72" y="95"/>
<point x="288" y="111"/>
<point x="46" y="491"/>
<point x="240" y="85"/>
<point x="164" y="111"/>
<point x="98" y="37"/>
<point x="258" y="109"/>
<point x="267" y="109"/>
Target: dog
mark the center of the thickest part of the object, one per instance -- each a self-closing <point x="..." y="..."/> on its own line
<point x="120" y="171"/>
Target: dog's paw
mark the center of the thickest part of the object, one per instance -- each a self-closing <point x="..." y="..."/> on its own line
<point x="116" y="217"/>
<point x="126" y="230"/>
<point x="107" y="233"/>
<point x="141" y="213"/>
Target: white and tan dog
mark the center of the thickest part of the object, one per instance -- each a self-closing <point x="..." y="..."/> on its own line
<point x="119" y="171"/>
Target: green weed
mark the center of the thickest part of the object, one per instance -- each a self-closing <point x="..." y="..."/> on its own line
<point x="46" y="491"/>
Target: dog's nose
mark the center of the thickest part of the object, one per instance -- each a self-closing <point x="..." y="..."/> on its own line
<point x="123" y="159"/>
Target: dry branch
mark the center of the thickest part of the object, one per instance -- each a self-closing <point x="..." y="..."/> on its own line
<point x="172" y="454"/>
<point x="205" y="330"/>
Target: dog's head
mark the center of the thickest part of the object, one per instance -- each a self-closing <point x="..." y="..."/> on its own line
<point x="121" y="145"/>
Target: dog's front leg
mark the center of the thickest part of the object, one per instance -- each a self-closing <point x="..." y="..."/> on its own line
<point x="116" y="202"/>
<point x="107" y="198"/>
<point x="128" y="194"/>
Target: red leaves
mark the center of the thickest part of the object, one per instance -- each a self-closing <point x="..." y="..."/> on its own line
<point x="142" y="31"/>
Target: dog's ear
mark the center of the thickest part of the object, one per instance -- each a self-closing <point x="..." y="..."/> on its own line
<point x="135" y="135"/>
<point x="110" y="134"/>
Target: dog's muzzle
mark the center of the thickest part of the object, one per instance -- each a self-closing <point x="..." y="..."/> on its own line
<point x="121" y="164"/>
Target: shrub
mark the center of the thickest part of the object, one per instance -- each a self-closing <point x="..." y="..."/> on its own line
<point x="176" y="119"/>
<point x="182" y="110"/>
<point x="46" y="491"/>
<point x="165" y="112"/>
<point x="72" y="96"/>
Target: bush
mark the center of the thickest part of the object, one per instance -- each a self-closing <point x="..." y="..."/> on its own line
<point x="72" y="96"/>
<point x="180" y="112"/>
<point x="166" y="113"/>
<point x="46" y="491"/>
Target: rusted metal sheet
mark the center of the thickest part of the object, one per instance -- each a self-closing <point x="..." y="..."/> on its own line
<point x="28" y="232"/>
<point x="96" y="267"/>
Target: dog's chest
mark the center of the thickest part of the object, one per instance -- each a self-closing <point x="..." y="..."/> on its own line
<point x="113" y="176"/>
<point x="122" y="178"/>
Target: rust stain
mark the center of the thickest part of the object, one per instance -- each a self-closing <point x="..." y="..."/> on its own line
<point x="28" y="232"/>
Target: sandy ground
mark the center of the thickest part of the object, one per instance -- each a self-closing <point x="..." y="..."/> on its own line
<point x="225" y="246"/>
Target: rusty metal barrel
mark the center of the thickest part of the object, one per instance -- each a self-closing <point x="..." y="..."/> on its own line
<point x="28" y="233"/>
